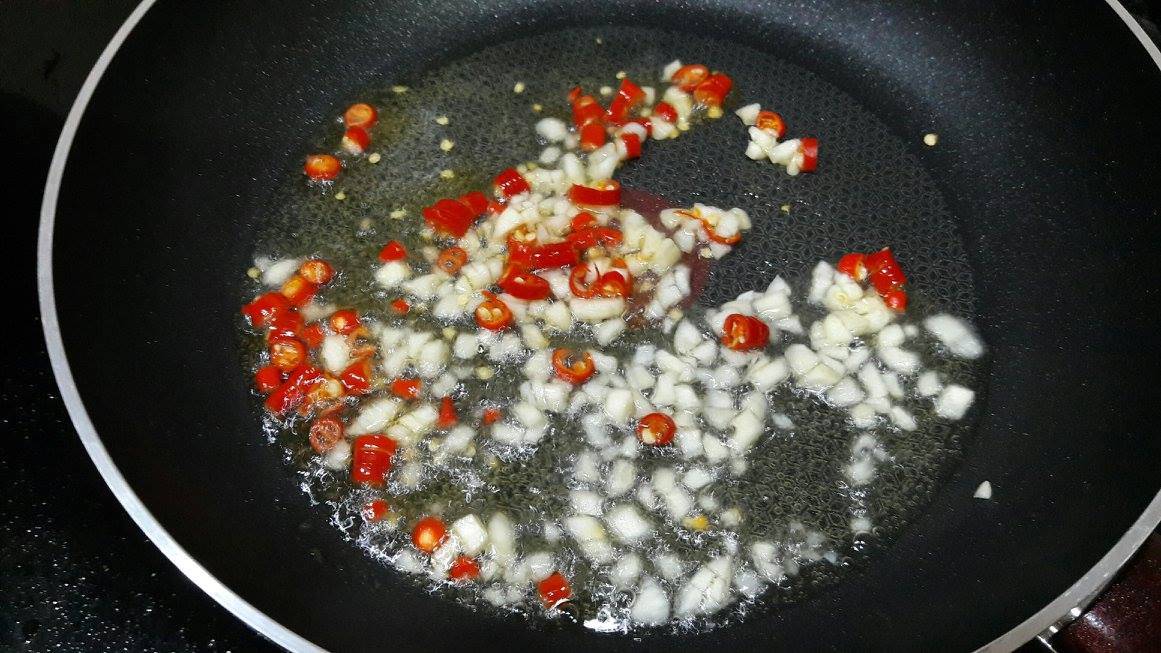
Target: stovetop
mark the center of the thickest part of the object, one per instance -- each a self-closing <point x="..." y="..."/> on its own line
<point x="75" y="572"/>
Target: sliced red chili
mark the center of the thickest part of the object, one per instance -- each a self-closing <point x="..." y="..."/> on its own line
<point x="464" y="568"/>
<point x="607" y="193"/>
<point x="520" y="283"/>
<point x="656" y="429"/>
<point x="400" y="306"/>
<point x="326" y="389"/>
<point x="325" y="433"/>
<point x="267" y="379"/>
<point x="809" y="147"/>
<point x="665" y="111"/>
<point x="356" y="379"/>
<point x="287" y="324"/>
<point x="361" y="115"/>
<point x="428" y="534"/>
<point x="371" y="459"/>
<point x="491" y="415"/>
<point x="579" y="283"/>
<point x="773" y="121"/>
<point x="355" y="141"/>
<point x="393" y="251"/>
<point x="876" y="261"/>
<point x="344" y="322"/>
<point x="447" y="414"/>
<point x="884" y="282"/>
<point x="298" y="290"/>
<point x="552" y="255"/>
<point x="571" y="366"/>
<point x="263" y="310"/>
<point x="586" y="111"/>
<point x="554" y="590"/>
<point x="451" y="260"/>
<point x="604" y="236"/>
<point x="294" y="389"/>
<point x="322" y="167"/>
<point x="744" y="332"/>
<point x="583" y="220"/>
<point x="614" y="283"/>
<point x="689" y="76"/>
<point x="449" y="217"/>
<point x="592" y="136"/>
<point x="476" y="201"/>
<point x="375" y="510"/>
<point x="317" y="271"/>
<point x="853" y="265"/>
<point x="632" y="144"/>
<point x="406" y="388"/>
<point x="510" y="183"/>
<point x="313" y="335"/>
<point x="896" y="300"/>
<point x="629" y="96"/>
<point x="884" y="271"/>
<point x="713" y="90"/>
<point x="492" y="313"/>
<point x="287" y="353"/>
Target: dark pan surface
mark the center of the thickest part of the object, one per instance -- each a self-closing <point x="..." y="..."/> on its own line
<point x="875" y="191"/>
<point x="1046" y="163"/>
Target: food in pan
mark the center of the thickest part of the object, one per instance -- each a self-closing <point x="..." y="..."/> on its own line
<point x="543" y="322"/>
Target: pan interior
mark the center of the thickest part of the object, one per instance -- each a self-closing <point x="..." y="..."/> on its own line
<point x="871" y="191"/>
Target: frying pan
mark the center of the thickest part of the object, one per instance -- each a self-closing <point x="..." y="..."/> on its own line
<point x="1047" y="115"/>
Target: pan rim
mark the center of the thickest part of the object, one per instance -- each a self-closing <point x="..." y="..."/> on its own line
<point x="1060" y="610"/>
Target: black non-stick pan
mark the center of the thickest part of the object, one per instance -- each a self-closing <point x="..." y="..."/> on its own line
<point x="1046" y="173"/>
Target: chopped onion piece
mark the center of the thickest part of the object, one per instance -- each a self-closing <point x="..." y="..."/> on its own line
<point x="669" y="566"/>
<point x="278" y="272"/>
<point x="715" y="450"/>
<point x="552" y="130"/>
<point x="903" y="419"/>
<point x="587" y="468"/>
<point x="608" y="331"/>
<point x="956" y="335"/>
<point x="708" y="589"/>
<point x="619" y="406"/>
<point x="801" y="359"/>
<point x="749" y="114"/>
<point x="625" y="571"/>
<point x="954" y="402"/>
<point x="501" y="539"/>
<point x="471" y="534"/>
<point x="590" y="537"/>
<point x="335" y="353"/>
<point x="900" y="360"/>
<point x="845" y="393"/>
<point x="597" y="309"/>
<point x="697" y="478"/>
<point x="586" y="502"/>
<point x="928" y="384"/>
<point x="650" y="605"/>
<point x="374" y="416"/>
<point x="627" y="524"/>
<point x="620" y="479"/>
<point x="338" y="457"/>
